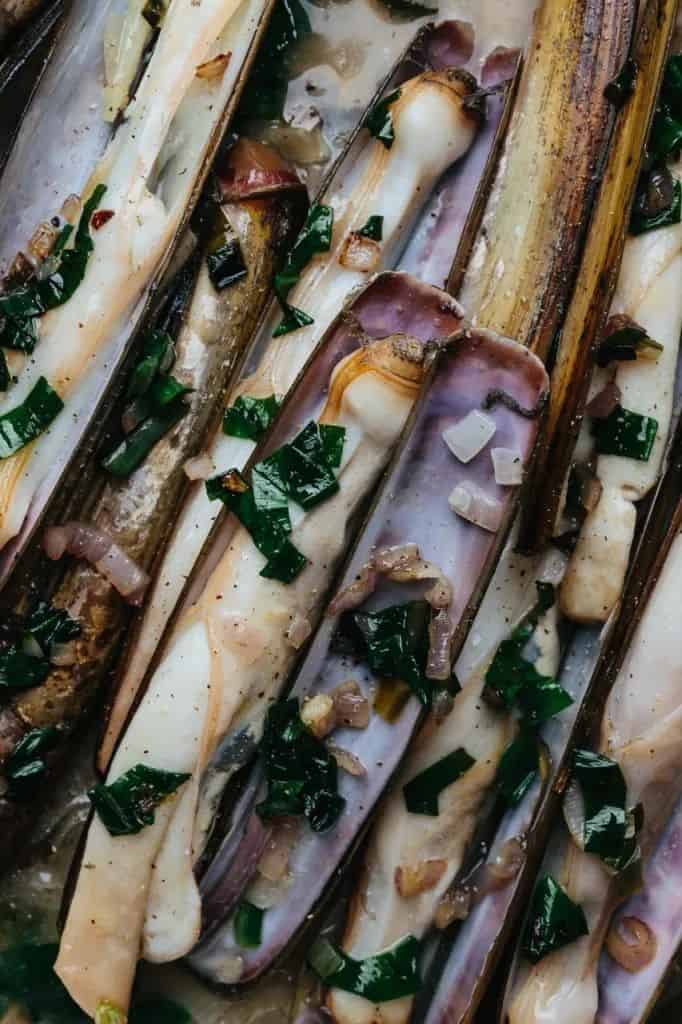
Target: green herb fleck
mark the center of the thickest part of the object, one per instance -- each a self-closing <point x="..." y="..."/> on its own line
<point x="21" y="671"/>
<point x="127" y="805"/>
<point x="624" y="340"/>
<point x="518" y="767"/>
<point x="30" y="419"/>
<point x="301" y="773"/>
<point x="225" y="262"/>
<point x="50" y="625"/>
<point x="21" y="307"/>
<point x="626" y="433"/>
<point x="379" y="121"/>
<point x="26" y="762"/>
<point x="395" y="644"/>
<point x="421" y="793"/>
<point x="391" y="974"/>
<point x="374" y="228"/>
<point x="250" y="417"/>
<point x="409" y="8"/>
<point x="248" y="925"/>
<point x="315" y="237"/>
<point x="516" y="681"/>
<point x="608" y="830"/>
<point x="554" y="921"/>
<point x="302" y="471"/>
<point x="269" y="78"/>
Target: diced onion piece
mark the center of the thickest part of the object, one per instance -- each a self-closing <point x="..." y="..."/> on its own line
<point x="508" y="466"/>
<point x="214" y="67"/>
<point x="346" y="761"/>
<point x="274" y="862"/>
<point x="453" y="906"/>
<point x="441" y="632"/>
<point x="505" y="866"/>
<point x="414" y="879"/>
<point x="574" y="814"/>
<point x="200" y="467"/>
<point x="88" y="542"/>
<point x="631" y="943"/>
<point x="42" y="240"/>
<point x="470" y="435"/>
<point x="318" y="714"/>
<point x="356" y="593"/>
<point x="469" y="502"/>
<point x="299" y="631"/>
<point x="352" y="707"/>
<point x="401" y="556"/>
<point x="360" y="253"/>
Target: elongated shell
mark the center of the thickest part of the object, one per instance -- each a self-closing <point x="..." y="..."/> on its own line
<point x="413" y="508"/>
<point x="371" y="181"/>
<point x="597" y="276"/>
<point x="233" y="632"/>
<point x="131" y="249"/>
<point x="136" y="512"/>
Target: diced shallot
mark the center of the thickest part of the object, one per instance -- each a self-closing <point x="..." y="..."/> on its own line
<point x="97" y="547"/>
<point x="356" y="593"/>
<point x="472" y="504"/>
<point x="360" y="253"/>
<point x="454" y="905"/>
<point x="299" y="631"/>
<point x="214" y="67"/>
<point x="414" y="879"/>
<point x="318" y="714"/>
<point x="352" y="707"/>
<point x="274" y="862"/>
<point x="346" y="761"/>
<point x="200" y="467"/>
<point x="470" y="435"/>
<point x="508" y="466"/>
<point x="441" y="632"/>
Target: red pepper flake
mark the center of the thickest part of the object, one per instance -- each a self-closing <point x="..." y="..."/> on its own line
<point x="100" y="217"/>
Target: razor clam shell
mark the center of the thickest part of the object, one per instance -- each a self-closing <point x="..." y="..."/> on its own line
<point x="598" y="274"/>
<point x="656" y="535"/>
<point x="451" y="218"/>
<point x="425" y="471"/>
<point x="625" y="997"/>
<point x="59" y="101"/>
<point x="554" y="146"/>
<point x="137" y="511"/>
<point x="195" y="526"/>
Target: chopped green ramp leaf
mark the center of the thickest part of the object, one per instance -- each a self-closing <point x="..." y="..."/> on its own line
<point x="127" y="805"/>
<point x="250" y="417"/>
<point x="626" y="433"/>
<point x="391" y="974"/>
<point x="518" y="767"/>
<point x="421" y="793"/>
<point x="379" y="121"/>
<point x="373" y="228"/>
<point x="554" y="921"/>
<point x="302" y="775"/>
<point x="27" y="421"/>
<point x="248" y="925"/>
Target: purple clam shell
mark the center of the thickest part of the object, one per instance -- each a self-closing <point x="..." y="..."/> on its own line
<point x="412" y="507"/>
<point x="624" y="997"/>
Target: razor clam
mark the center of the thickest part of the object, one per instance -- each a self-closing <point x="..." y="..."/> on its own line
<point x="393" y="182"/>
<point x="642" y="737"/>
<point x="233" y="630"/>
<point x="586" y="317"/>
<point x="476" y="946"/>
<point x="412" y="510"/>
<point x="136" y="511"/>
<point x="553" y="147"/>
<point x="151" y="169"/>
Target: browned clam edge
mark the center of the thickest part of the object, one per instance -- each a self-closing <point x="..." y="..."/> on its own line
<point x="339" y="511"/>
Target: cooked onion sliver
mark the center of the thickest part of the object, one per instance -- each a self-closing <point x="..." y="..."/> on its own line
<point x="299" y="631"/>
<point x="508" y="466"/>
<point x="352" y="707"/>
<point x="214" y="67"/>
<point x="201" y="467"/>
<point x="441" y="632"/>
<point x="346" y="761"/>
<point x="414" y="879"/>
<point x="360" y="253"/>
<point x="471" y="503"/>
<point x="97" y="547"/>
<point x="470" y="435"/>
